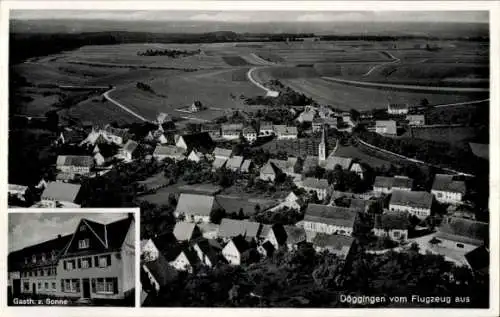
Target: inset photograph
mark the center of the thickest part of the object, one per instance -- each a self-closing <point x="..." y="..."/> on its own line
<point x="71" y="259"/>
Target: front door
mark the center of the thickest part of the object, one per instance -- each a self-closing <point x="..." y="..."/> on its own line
<point x="86" y="288"/>
<point x="16" y="287"/>
<point x="34" y="289"/>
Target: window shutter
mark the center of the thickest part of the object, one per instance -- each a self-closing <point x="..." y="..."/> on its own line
<point x="96" y="261"/>
<point x="79" y="263"/>
<point x="62" y="283"/>
<point x="64" y="264"/>
<point x="93" y="285"/>
<point x="108" y="259"/>
<point x="115" y="285"/>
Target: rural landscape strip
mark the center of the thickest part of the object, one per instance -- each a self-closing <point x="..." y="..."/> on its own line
<point x="256" y="83"/>
<point x="405" y="87"/>
<point x="138" y="116"/>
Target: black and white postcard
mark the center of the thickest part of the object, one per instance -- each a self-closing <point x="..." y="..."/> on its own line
<point x="71" y="259"/>
<point x="282" y="154"/>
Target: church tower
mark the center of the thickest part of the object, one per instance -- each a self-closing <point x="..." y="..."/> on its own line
<point x="322" y="148"/>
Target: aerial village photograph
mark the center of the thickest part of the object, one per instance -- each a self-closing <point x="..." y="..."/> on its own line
<point x="72" y="258"/>
<point x="321" y="159"/>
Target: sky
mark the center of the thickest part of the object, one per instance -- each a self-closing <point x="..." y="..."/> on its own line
<point x="258" y="16"/>
<point x="26" y="229"/>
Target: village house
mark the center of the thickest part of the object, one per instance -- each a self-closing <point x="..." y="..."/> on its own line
<point x="232" y="131"/>
<point x="222" y="153"/>
<point x="164" y="244"/>
<point x="249" y="134"/>
<point x="283" y="236"/>
<point x="196" y="106"/>
<point x="347" y="119"/>
<point x="462" y="234"/>
<point x="202" y="142"/>
<point x="416" y="203"/>
<point x="397" y="109"/>
<point x="339" y="245"/>
<point x="247" y="166"/>
<point x="234" y="163"/>
<point x="108" y="134"/>
<point x="186" y="260"/>
<point x="287" y="166"/>
<point x="385" y="185"/>
<point x="415" y="120"/>
<point x="386" y="127"/>
<point x="95" y="262"/>
<point x="58" y="194"/>
<point x="269" y="172"/>
<point x="195" y="208"/>
<point x="307" y="115"/>
<point x="128" y="150"/>
<point x="284" y="132"/>
<point x="291" y="202"/>
<point x="230" y="228"/>
<point x="328" y="219"/>
<point x="75" y="164"/>
<point x="173" y="152"/>
<point x="358" y="169"/>
<point x="319" y="123"/>
<point x="319" y="186"/>
<point x="248" y="206"/>
<point x="214" y="130"/>
<point x="159" y="272"/>
<point x="234" y="249"/>
<point x="208" y="251"/>
<point x="99" y="160"/>
<point x="448" y="190"/>
<point x="266" y="129"/>
<point x="332" y="161"/>
<point x="195" y="156"/>
<point x="186" y="231"/>
<point x="394" y="225"/>
<point x="149" y="251"/>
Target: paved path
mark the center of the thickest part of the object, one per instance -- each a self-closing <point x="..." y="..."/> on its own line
<point x="108" y="97"/>
<point x="394" y="60"/>
<point x="465" y="103"/>
<point x="269" y="92"/>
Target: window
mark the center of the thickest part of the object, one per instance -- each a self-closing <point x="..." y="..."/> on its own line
<point x="33" y="258"/>
<point x="35" y="272"/>
<point x="86" y="263"/>
<point x="71" y="286"/>
<point x="53" y="286"/>
<point x="105" y="260"/>
<point x="83" y="228"/>
<point x="69" y="265"/>
<point x="53" y="255"/>
<point x="42" y="272"/>
<point x="107" y="285"/>
<point x="26" y="286"/>
<point x="460" y="245"/>
<point x="43" y="257"/>
<point x="39" y="285"/>
<point x="31" y="273"/>
<point x="25" y="260"/>
<point x="47" y="285"/>
<point x="83" y="244"/>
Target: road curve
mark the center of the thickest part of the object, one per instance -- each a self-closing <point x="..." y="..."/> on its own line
<point x="138" y="116"/>
<point x="394" y="60"/>
<point x="404" y="87"/>
<point x="269" y="92"/>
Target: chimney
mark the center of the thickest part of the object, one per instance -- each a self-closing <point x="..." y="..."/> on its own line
<point x="59" y="236"/>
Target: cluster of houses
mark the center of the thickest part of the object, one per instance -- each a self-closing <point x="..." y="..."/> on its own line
<point x="96" y="261"/>
<point x="233" y="131"/>
<point x="390" y="127"/>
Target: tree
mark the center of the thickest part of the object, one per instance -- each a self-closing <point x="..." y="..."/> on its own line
<point x="216" y="215"/>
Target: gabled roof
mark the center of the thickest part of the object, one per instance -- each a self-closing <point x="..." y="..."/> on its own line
<point x="279" y="233"/>
<point x="446" y="183"/>
<point x="168" y="150"/>
<point x="269" y="168"/>
<point x="361" y="204"/>
<point x="389" y="125"/>
<point x="392" y="220"/>
<point x="192" y="204"/>
<point x="183" y="231"/>
<point x="191" y="256"/>
<point x="222" y="152"/>
<point x="310" y="162"/>
<point x="249" y="130"/>
<point x="416" y="199"/>
<point x="117" y="231"/>
<point x="61" y="192"/>
<point x="210" y="248"/>
<point x="123" y="133"/>
<point x="161" y="270"/>
<point x="265" y="125"/>
<point x="478" y="259"/>
<point x="398" y="106"/>
<point x="219" y="162"/>
<point x="233" y="204"/>
<point x="231" y="228"/>
<point x="130" y="146"/>
<point x="402" y="182"/>
<point x="167" y="245"/>
<point x="232" y="127"/>
<point x="245" y="167"/>
<point x="285" y="165"/>
<point x="315" y="183"/>
<point x="332" y="161"/>
<point x="383" y="182"/>
<point x="285" y="130"/>
<point x="334" y="241"/>
<point x="412" y="117"/>
<point x="294" y="234"/>
<point x="463" y="230"/>
<point x="331" y="215"/>
<point x="200" y="141"/>
<point x="234" y="162"/>
<point x="75" y="160"/>
<point x="240" y="243"/>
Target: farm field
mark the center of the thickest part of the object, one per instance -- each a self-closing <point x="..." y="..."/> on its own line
<point x="215" y="89"/>
<point x="98" y="112"/>
<point x="350" y="97"/>
<point x="363" y="157"/>
<point x="452" y="135"/>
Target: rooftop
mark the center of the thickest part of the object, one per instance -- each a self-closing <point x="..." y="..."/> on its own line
<point x="446" y="183"/>
<point x="332" y="215"/>
<point x="59" y="191"/>
<point x="416" y="199"/>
